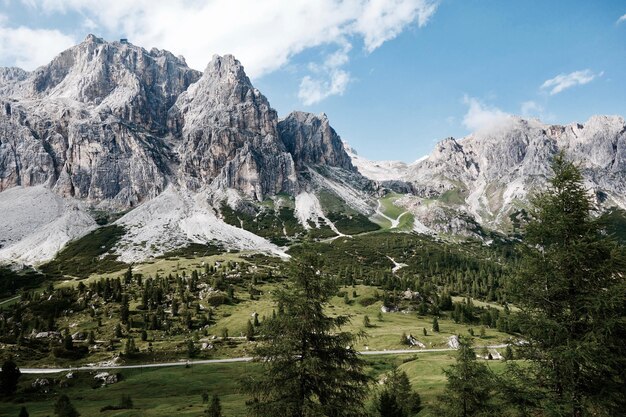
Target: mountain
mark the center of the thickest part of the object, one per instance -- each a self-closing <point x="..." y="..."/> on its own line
<point x="487" y="177"/>
<point x="141" y="155"/>
<point x="110" y="128"/>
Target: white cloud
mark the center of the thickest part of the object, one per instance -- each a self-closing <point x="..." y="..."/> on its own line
<point x="479" y="116"/>
<point x="621" y="19"/>
<point x="314" y="90"/>
<point x="263" y="35"/>
<point x="329" y="79"/>
<point x="382" y="20"/>
<point x="28" y="48"/>
<point x="531" y="108"/>
<point x="564" y="81"/>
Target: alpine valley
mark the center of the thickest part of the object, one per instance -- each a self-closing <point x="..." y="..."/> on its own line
<point x="135" y="150"/>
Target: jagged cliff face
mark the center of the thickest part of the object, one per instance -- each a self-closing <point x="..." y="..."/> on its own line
<point x="109" y="125"/>
<point x="119" y="79"/>
<point x="90" y="123"/>
<point x="492" y="173"/>
<point x="226" y="130"/>
<point x="311" y="140"/>
<point x="113" y="124"/>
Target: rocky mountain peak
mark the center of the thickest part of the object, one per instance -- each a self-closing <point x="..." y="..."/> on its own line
<point x="226" y="131"/>
<point x="133" y="84"/>
<point x="312" y="141"/>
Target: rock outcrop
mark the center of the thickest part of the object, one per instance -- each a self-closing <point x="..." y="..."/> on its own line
<point x="91" y="123"/>
<point x="312" y="141"/>
<point x="226" y="130"/>
<point x="492" y="173"/>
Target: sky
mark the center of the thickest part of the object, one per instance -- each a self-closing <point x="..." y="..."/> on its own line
<point x="393" y="76"/>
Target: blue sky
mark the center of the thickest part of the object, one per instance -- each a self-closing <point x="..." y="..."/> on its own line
<point x="394" y="76"/>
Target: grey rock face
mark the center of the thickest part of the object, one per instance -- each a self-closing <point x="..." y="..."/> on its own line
<point x="91" y="123"/>
<point x="124" y="80"/>
<point x="9" y="77"/>
<point x="312" y="141"/>
<point x="23" y="158"/>
<point x="226" y="129"/>
<point x="495" y="171"/>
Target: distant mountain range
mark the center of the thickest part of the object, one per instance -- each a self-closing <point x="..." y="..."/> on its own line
<point x="110" y="134"/>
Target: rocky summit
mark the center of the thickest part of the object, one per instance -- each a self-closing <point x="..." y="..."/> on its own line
<point x="109" y="132"/>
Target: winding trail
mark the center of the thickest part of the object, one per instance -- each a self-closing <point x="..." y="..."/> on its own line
<point x="394" y="222"/>
<point x="397" y="266"/>
<point x="227" y="360"/>
<point x="9" y="300"/>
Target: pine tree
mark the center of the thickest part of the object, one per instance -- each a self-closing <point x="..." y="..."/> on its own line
<point x="23" y="412"/>
<point x="309" y="367"/>
<point x="68" y="343"/>
<point x="129" y="348"/>
<point x="387" y="405"/>
<point x="64" y="408"/>
<point x="215" y="408"/>
<point x="250" y="331"/>
<point x="571" y="292"/>
<point x="435" y="325"/>
<point x="118" y="330"/>
<point x="397" y="399"/>
<point x="470" y="386"/>
<point x="124" y="309"/>
<point x="9" y="376"/>
<point x="191" y="348"/>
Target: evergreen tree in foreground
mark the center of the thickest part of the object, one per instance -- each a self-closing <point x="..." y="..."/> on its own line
<point x="397" y="398"/>
<point x="9" y="376"/>
<point x="310" y="368"/>
<point x="470" y="386"/>
<point x="572" y="294"/>
<point x="215" y="408"/>
<point x="64" y="408"/>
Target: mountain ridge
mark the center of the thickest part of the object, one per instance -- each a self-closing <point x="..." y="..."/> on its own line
<point x="178" y="156"/>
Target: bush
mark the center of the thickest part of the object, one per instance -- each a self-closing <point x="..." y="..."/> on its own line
<point x="217" y="300"/>
<point x="367" y="301"/>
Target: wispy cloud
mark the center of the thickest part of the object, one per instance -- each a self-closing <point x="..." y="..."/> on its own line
<point x="531" y="108"/>
<point x="564" y="81"/>
<point x="327" y="79"/>
<point x="621" y="19"/>
<point x="263" y="35"/>
<point x="480" y="116"/>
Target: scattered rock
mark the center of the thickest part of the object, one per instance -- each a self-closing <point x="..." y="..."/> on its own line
<point x="40" y="382"/>
<point x="386" y="309"/>
<point x="412" y="341"/>
<point x="453" y="342"/>
<point x="106" y="378"/>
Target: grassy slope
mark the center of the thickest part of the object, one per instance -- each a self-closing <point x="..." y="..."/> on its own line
<point x="87" y="255"/>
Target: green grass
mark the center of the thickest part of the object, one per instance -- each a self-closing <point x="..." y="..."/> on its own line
<point x="89" y="254"/>
<point x="453" y="196"/>
<point x="388" y="207"/>
<point x="160" y="392"/>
